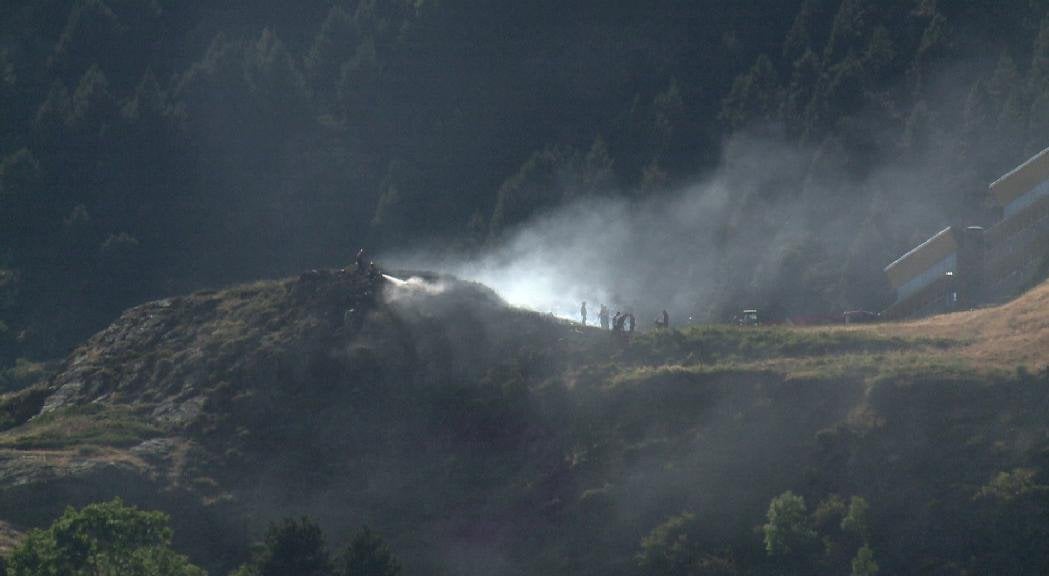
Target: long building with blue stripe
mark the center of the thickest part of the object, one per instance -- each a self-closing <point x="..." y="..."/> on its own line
<point x="961" y="268"/>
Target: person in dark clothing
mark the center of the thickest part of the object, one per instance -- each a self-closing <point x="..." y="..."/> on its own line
<point x="603" y="316"/>
<point x="361" y="261"/>
<point x="582" y="313"/>
<point x="617" y="322"/>
<point x="666" y="320"/>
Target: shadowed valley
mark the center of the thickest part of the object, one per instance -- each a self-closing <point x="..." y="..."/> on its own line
<point x="481" y="438"/>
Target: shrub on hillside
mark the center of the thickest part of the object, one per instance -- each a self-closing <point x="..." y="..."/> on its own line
<point x="368" y="555"/>
<point x="291" y="547"/>
<point x="104" y="539"/>
<point x="297" y="547"/>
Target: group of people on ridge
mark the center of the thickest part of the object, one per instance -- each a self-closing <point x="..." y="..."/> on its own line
<point x="621" y="322"/>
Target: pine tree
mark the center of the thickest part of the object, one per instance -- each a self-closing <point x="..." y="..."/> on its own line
<point x="92" y="106"/>
<point x="291" y="547"/>
<point x="53" y="115"/>
<point x="7" y="95"/>
<point x="275" y="81"/>
<point x="799" y="38"/>
<point x="1006" y="96"/>
<point x="335" y="43"/>
<point x="1038" y="89"/>
<point x="539" y="184"/>
<point x="847" y="32"/>
<point x="148" y="104"/>
<point x="797" y="103"/>
<point x="1039" y="71"/>
<point x="91" y="32"/>
<point x="21" y="197"/>
<point x="369" y="555"/>
<point x="598" y="175"/>
<point x="754" y="98"/>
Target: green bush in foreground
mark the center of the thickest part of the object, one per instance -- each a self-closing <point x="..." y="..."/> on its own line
<point x="297" y="547"/>
<point x="292" y="547"/>
<point x="787" y="532"/>
<point x="368" y="555"/>
<point x="667" y="550"/>
<point x="104" y="539"/>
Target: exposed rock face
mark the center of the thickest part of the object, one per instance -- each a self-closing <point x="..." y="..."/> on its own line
<point x="476" y="435"/>
<point x="172" y="353"/>
<point x="229" y="401"/>
<point x="167" y="368"/>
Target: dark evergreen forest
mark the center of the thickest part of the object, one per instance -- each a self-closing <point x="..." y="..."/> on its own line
<point x="153" y="147"/>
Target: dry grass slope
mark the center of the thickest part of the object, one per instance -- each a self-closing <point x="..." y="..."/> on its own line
<point x="1006" y="336"/>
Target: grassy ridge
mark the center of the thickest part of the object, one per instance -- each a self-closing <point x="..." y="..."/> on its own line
<point x="452" y="424"/>
<point x="91" y="425"/>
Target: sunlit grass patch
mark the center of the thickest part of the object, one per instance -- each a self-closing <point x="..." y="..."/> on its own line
<point x="25" y="373"/>
<point x="666" y="372"/>
<point x="96" y="425"/>
<point x="918" y="368"/>
<point x="723" y="343"/>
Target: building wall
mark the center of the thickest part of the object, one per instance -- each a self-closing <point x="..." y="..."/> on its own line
<point x="1017" y="249"/>
<point x="933" y="273"/>
<point x="1021" y="180"/>
<point x="986" y="266"/>
<point x="1023" y="202"/>
<point x="934" y="298"/>
<point x="917" y="261"/>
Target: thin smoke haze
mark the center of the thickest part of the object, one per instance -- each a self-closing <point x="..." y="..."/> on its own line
<point x="740" y="237"/>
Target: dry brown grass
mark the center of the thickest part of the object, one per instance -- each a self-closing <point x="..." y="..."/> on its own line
<point x="92" y="425"/>
<point x="1006" y="336"/>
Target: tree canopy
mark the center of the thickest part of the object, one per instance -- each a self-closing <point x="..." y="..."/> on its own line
<point x="104" y="539"/>
<point x="260" y="140"/>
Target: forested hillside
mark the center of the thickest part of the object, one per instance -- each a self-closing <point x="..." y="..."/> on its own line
<point x="480" y="439"/>
<point x="150" y="147"/>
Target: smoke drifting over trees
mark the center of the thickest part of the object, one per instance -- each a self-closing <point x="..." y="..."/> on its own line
<point x="777" y="225"/>
<point x="698" y="157"/>
<point x="150" y="148"/>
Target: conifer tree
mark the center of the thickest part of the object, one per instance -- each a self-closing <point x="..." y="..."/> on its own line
<point x="368" y="555"/>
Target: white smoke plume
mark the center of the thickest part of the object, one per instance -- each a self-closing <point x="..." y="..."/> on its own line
<point x="415" y="285"/>
<point x="752" y="232"/>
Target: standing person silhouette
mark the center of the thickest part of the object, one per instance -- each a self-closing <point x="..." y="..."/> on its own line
<point x="361" y="261"/>
<point x="582" y="312"/>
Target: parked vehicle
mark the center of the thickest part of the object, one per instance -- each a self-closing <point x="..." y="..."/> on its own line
<point x="748" y="318"/>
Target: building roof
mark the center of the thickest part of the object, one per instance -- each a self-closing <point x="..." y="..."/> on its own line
<point x="1022" y="179"/>
<point x="922" y="257"/>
